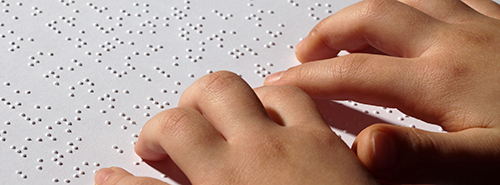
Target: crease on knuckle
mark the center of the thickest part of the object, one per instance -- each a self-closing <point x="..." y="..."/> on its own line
<point x="474" y="37"/>
<point x="371" y="9"/>
<point x="349" y="67"/>
<point x="325" y="137"/>
<point x="218" y="81"/>
<point x="268" y="145"/>
<point x="446" y="75"/>
<point x="174" y="122"/>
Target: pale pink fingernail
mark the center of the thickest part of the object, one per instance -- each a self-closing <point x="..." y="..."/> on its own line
<point x="102" y="175"/>
<point x="273" y="78"/>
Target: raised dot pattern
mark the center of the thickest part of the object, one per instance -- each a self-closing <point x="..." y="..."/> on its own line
<point x="80" y="78"/>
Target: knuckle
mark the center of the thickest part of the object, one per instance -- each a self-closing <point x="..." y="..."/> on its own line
<point x="295" y="74"/>
<point x="217" y="81"/>
<point x="349" y="67"/>
<point x="446" y="72"/>
<point x="268" y="145"/>
<point x="371" y="8"/>
<point x="174" y="121"/>
<point x="325" y="137"/>
<point x="475" y="36"/>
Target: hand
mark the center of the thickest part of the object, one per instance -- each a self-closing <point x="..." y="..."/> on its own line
<point x="221" y="133"/>
<point x="435" y="60"/>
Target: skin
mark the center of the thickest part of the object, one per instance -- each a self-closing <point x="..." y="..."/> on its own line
<point x="434" y="60"/>
<point x="223" y="132"/>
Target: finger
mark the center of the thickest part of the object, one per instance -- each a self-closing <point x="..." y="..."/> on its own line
<point x="376" y="23"/>
<point x="486" y="7"/>
<point x="118" y="176"/>
<point x="452" y="11"/>
<point x="228" y="103"/>
<point x="372" y="79"/>
<point x="184" y="134"/>
<point x="351" y="77"/>
<point x="290" y="106"/>
<point x="409" y="155"/>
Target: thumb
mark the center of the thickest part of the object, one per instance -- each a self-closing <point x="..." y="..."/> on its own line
<point x="408" y="155"/>
<point x="115" y="176"/>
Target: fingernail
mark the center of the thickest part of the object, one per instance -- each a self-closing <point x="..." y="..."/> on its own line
<point x="102" y="175"/>
<point x="384" y="150"/>
<point x="271" y="79"/>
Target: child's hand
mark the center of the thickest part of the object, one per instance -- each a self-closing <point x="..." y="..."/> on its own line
<point x="221" y="133"/>
<point x="435" y="60"/>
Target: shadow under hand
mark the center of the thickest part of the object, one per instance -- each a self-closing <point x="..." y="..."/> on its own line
<point x="344" y="118"/>
<point x="170" y="170"/>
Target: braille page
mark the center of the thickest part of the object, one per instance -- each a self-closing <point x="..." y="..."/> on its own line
<point x="79" y="78"/>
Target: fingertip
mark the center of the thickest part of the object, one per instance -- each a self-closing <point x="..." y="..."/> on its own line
<point x="145" y="153"/>
<point x="102" y="175"/>
<point x="299" y="51"/>
<point x="362" y="147"/>
<point x="312" y="48"/>
<point x="273" y="78"/>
